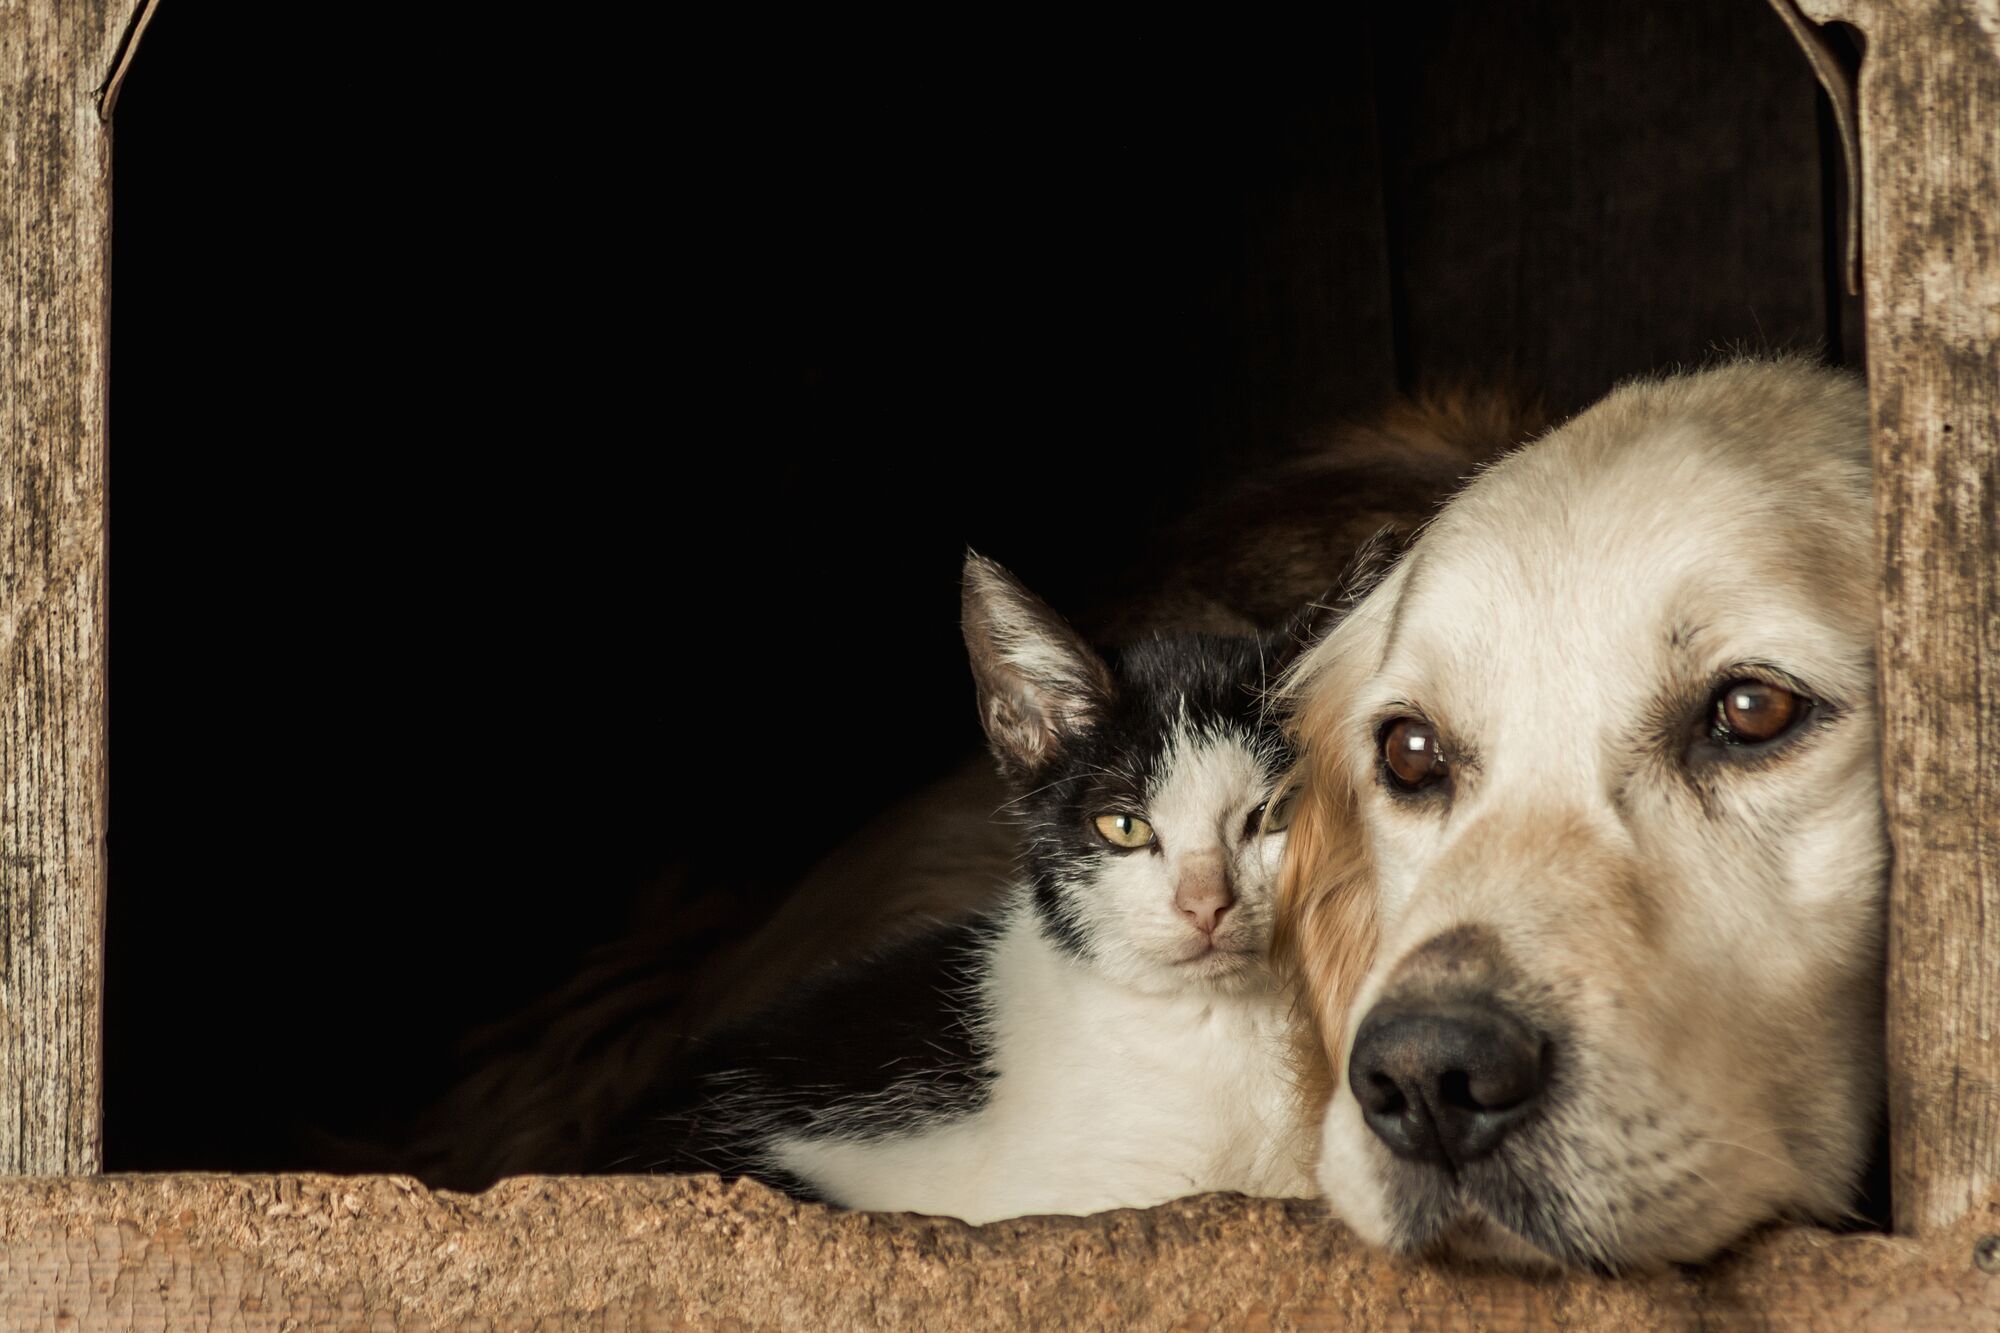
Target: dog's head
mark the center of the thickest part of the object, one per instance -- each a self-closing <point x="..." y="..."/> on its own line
<point x="1587" y="886"/>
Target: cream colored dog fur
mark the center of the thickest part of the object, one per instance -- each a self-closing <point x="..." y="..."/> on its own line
<point x="1683" y="929"/>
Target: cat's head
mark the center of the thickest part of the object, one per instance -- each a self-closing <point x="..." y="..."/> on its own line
<point x="1146" y="785"/>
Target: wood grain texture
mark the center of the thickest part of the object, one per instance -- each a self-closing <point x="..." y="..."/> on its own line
<point x="1581" y="192"/>
<point x="1930" y="136"/>
<point x="55" y="159"/>
<point x="246" y="1252"/>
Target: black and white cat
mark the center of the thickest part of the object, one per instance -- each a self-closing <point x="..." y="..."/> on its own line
<point x="1113" y="1036"/>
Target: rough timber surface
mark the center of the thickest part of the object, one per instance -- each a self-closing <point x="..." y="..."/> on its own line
<point x="56" y="60"/>
<point x="1930" y="159"/>
<point x="376" y="1252"/>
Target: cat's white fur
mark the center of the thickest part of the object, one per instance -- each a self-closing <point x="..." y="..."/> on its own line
<point x="1128" y="1080"/>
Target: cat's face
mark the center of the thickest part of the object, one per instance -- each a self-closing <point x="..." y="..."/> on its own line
<point x="1154" y="839"/>
<point x="1153" y="830"/>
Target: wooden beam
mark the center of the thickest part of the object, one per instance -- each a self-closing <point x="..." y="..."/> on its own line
<point x="56" y="57"/>
<point x="679" y="1252"/>
<point x="1930" y="152"/>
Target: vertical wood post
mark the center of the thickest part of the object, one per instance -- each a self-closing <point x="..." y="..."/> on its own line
<point x="1930" y="154"/>
<point x="56" y="59"/>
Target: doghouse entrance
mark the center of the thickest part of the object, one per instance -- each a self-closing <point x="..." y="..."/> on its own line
<point x="540" y="497"/>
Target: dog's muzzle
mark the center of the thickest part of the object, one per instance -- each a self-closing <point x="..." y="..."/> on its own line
<point x="1443" y="1069"/>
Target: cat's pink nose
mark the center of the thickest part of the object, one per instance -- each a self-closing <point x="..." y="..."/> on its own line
<point x="1202" y="895"/>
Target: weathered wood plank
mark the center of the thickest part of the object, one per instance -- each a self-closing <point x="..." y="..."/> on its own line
<point x="1930" y="147"/>
<point x="55" y="159"/>
<point x="624" y="1252"/>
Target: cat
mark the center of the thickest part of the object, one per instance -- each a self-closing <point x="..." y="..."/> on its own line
<point x="1112" y="1036"/>
<point x="541" y="1090"/>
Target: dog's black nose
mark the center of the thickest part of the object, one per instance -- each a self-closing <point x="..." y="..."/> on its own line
<point x="1445" y="1083"/>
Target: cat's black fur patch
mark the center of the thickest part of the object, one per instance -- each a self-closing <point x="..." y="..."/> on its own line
<point x="875" y="1046"/>
<point x="882" y="1046"/>
<point x="1203" y="684"/>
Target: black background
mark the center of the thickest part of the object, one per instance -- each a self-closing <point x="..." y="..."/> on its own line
<point x="541" y="463"/>
<point x="543" y="442"/>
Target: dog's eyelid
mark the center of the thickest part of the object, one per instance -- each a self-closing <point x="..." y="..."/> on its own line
<point x="1709" y="742"/>
<point x="1761" y="670"/>
<point x="1395" y="711"/>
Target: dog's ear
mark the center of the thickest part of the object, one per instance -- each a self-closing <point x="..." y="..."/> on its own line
<point x="1325" y="938"/>
<point x="1325" y="941"/>
<point x="1366" y="568"/>
<point x="1301" y="630"/>
<point x="1371" y="563"/>
<point x="1039" y="684"/>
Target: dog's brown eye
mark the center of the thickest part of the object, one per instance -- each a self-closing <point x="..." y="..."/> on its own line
<point x="1411" y="752"/>
<point x="1752" y="712"/>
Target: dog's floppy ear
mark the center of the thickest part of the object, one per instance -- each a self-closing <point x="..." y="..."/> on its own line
<point x="1325" y="938"/>
<point x="1371" y="563"/>
<point x="1366" y="568"/>
<point x="1040" y="685"/>
<point x="1301" y="630"/>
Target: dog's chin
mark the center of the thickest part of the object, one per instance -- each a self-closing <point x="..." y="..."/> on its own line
<point x="1477" y="1239"/>
<point x="1451" y="1223"/>
<point x="1487" y="1213"/>
<point x="1488" y="1217"/>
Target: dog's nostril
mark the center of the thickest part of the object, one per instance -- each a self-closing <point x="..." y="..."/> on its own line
<point x="1511" y="1077"/>
<point x="1445" y="1083"/>
<point x="1388" y="1099"/>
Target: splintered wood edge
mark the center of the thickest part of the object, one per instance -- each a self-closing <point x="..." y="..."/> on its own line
<point x="665" y="1252"/>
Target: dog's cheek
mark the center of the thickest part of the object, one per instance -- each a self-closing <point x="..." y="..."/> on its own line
<point x="1403" y="885"/>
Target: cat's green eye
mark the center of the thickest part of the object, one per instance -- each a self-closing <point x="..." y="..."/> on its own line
<point x="1126" y="832"/>
<point x="1278" y="812"/>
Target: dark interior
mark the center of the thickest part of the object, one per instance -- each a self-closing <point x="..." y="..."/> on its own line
<point x="542" y="453"/>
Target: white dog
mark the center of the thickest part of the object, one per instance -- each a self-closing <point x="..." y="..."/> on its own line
<point x="1587" y="886"/>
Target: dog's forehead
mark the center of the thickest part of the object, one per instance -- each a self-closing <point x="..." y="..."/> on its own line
<point x="1585" y="571"/>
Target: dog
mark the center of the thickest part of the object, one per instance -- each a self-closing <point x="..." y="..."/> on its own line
<point x="1586" y="884"/>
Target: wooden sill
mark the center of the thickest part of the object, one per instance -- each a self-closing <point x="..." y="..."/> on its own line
<point x="382" y="1252"/>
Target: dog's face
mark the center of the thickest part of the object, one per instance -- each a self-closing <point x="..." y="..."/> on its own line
<point x="1607" y="739"/>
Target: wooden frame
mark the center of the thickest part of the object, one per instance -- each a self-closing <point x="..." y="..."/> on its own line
<point x="674" y="1252"/>
<point x="256" y="1250"/>
<point x="59" y="66"/>
<point x="1930" y="190"/>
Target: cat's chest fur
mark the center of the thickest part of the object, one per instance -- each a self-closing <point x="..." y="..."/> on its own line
<point x="1101" y="1097"/>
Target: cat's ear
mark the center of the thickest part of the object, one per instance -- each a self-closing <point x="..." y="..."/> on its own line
<point x="1039" y="682"/>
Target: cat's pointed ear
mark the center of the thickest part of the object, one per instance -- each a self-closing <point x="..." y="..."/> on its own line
<point x="1039" y="683"/>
